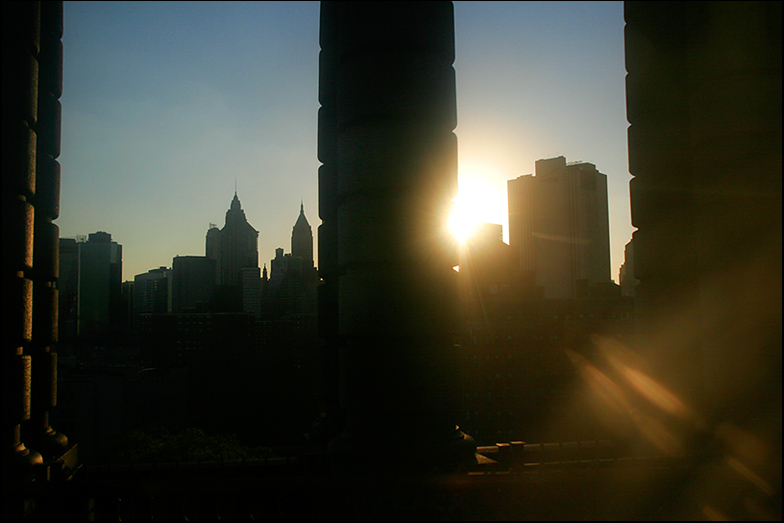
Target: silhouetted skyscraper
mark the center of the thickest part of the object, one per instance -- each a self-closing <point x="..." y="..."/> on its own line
<point x="234" y="247"/>
<point x="559" y="226"/>
<point x="488" y="268"/>
<point x="150" y="294"/>
<point x="192" y="282"/>
<point x="100" y="280"/>
<point x="293" y="279"/>
<point x="626" y="278"/>
<point x="68" y="288"/>
<point x="151" y="291"/>
<point x="212" y="247"/>
<point x="302" y="239"/>
<point x="250" y="281"/>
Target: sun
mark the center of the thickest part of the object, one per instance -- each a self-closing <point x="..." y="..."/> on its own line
<point x="463" y="220"/>
<point x="478" y="201"/>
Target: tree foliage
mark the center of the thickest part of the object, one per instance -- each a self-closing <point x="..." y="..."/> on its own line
<point x="159" y="445"/>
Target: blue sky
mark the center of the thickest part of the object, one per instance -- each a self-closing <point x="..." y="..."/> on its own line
<point x="166" y="105"/>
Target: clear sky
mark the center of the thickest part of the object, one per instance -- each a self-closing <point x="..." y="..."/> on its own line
<point x="166" y="105"/>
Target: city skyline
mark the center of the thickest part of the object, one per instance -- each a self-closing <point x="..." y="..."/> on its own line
<point x="159" y="122"/>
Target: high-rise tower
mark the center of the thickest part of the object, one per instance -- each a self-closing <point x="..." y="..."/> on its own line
<point x="68" y="288"/>
<point x="193" y="282"/>
<point x="234" y="247"/>
<point x="302" y="239"/>
<point x="100" y="281"/>
<point x="559" y="226"/>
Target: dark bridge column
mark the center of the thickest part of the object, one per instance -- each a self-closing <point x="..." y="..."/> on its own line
<point x="703" y="95"/>
<point x="21" y="43"/>
<point x="37" y="431"/>
<point x="662" y="190"/>
<point x="32" y="82"/>
<point x="387" y="89"/>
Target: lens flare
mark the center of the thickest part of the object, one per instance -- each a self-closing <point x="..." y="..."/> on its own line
<point x="463" y="221"/>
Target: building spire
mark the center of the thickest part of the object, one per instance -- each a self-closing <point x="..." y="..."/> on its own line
<point x="302" y="237"/>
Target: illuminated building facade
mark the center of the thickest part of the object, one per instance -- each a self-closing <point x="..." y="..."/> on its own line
<point x="558" y="225"/>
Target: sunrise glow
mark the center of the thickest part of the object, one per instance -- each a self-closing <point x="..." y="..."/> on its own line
<point x="481" y="198"/>
<point x="463" y="220"/>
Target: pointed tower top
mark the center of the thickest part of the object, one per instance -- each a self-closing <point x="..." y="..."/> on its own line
<point x="302" y="238"/>
<point x="235" y="215"/>
<point x="302" y="221"/>
<point x="235" y="203"/>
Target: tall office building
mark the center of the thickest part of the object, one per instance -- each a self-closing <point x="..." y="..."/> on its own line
<point x="68" y="288"/>
<point x="212" y="248"/>
<point x="234" y="247"/>
<point x="488" y="266"/>
<point x="302" y="239"/>
<point x="291" y="288"/>
<point x="192" y="283"/>
<point x="151" y="290"/>
<point x="150" y="293"/>
<point x="626" y="278"/>
<point x="559" y="226"/>
<point x="100" y="282"/>
<point x="250" y="283"/>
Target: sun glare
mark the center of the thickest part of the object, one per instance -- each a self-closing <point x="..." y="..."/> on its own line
<point x="476" y="202"/>
<point x="463" y="220"/>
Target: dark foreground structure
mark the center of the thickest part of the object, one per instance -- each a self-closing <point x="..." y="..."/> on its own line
<point x="704" y="103"/>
